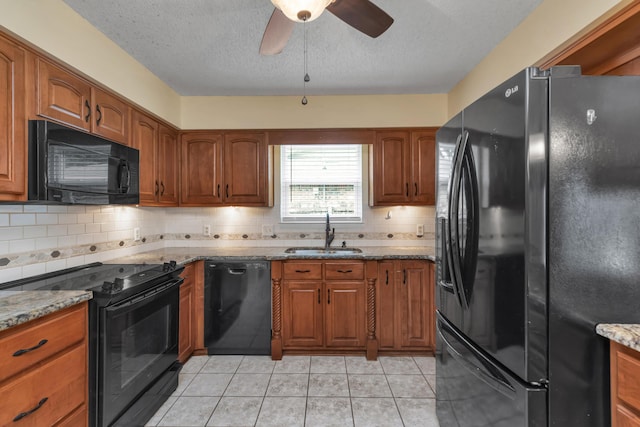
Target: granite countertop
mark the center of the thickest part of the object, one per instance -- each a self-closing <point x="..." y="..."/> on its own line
<point x="186" y="255"/>
<point x="626" y="334"/>
<point x="18" y="307"/>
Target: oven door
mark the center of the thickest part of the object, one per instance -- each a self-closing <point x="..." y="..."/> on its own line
<point x="138" y="343"/>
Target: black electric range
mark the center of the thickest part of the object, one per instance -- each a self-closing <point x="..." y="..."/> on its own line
<point x="133" y="335"/>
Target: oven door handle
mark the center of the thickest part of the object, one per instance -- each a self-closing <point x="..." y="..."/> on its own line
<point x="152" y="293"/>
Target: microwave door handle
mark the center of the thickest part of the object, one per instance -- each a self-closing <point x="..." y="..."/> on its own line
<point x="124" y="176"/>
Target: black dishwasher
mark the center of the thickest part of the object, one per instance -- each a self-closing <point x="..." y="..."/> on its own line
<point x="237" y="307"/>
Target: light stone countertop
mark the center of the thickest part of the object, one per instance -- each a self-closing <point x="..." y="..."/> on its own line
<point x="18" y="307"/>
<point x="626" y="334"/>
<point x="186" y="255"/>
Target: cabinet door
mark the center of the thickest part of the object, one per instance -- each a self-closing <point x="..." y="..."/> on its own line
<point x="186" y="337"/>
<point x="63" y="96"/>
<point x="144" y="137"/>
<point x="385" y="304"/>
<point x="13" y="141"/>
<point x="391" y="153"/>
<point x="423" y="171"/>
<point x="245" y="169"/>
<point x="414" y="303"/>
<point x="345" y="314"/>
<point x="201" y="169"/>
<point x="110" y="117"/>
<point x="168" y="162"/>
<point x="302" y="321"/>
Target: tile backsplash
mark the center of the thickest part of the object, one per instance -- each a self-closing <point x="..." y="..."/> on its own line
<point x="36" y="239"/>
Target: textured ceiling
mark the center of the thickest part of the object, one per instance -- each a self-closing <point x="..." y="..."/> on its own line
<point x="210" y="47"/>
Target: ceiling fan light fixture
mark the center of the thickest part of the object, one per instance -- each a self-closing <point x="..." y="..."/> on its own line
<point x="298" y="10"/>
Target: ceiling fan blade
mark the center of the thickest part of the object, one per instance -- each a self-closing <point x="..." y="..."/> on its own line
<point x="362" y="15"/>
<point x="277" y="33"/>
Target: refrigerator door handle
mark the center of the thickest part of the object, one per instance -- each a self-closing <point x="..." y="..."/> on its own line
<point x="474" y="361"/>
<point x="448" y="233"/>
<point x="471" y="236"/>
<point x="454" y="231"/>
<point x="445" y="281"/>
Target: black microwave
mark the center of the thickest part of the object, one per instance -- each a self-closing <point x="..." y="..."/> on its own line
<point x="70" y="166"/>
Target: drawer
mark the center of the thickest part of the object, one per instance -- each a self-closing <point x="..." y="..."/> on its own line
<point x="62" y="382"/>
<point x="302" y="271"/>
<point x="628" y="377"/>
<point x="46" y="337"/>
<point x="344" y="271"/>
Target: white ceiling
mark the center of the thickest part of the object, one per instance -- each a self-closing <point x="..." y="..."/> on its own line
<point x="210" y="47"/>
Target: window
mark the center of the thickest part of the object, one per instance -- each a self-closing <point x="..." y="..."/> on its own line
<point x="321" y="179"/>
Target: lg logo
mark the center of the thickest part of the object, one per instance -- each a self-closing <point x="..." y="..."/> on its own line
<point x="511" y="91"/>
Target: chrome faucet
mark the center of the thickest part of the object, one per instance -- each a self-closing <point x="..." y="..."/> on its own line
<point x="329" y="234"/>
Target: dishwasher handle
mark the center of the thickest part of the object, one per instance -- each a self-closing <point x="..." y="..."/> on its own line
<point x="237" y="271"/>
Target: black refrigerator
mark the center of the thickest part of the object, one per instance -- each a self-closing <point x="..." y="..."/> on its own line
<point x="537" y="241"/>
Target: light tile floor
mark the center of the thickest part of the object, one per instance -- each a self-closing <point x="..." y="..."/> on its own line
<point x="301" y="391"/>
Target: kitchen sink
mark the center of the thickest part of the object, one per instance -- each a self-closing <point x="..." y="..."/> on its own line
<point x="323" y="251"/>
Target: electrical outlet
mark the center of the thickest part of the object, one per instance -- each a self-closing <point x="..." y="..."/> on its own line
<point x="267" y="230"/>
<point x="419" y="230"/>
<point x="206" y="230"/>
<point x="136" y="234"/>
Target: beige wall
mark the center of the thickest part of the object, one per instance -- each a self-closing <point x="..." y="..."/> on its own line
<point x="273" y="112"/>
<point x="549" y="26"/>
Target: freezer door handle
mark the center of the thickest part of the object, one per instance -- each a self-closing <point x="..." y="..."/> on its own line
<point x="447" y="286"/>
<point x="474" y="361"/>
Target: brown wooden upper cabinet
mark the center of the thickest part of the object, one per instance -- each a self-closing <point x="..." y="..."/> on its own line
<point x="69" y="99"/>
<point x="159" y="160"/>
<point x="12" y="122"/>
<point x="224" y="169"/>
<point x="403" y="168"/>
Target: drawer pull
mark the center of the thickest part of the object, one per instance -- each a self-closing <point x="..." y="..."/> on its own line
<point x="303" y="271"/>
<point x="21" y="415"/>
<point x="27" y="350"/>
<point x="345" y="271"/>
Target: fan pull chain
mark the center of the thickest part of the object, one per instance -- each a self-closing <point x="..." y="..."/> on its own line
<point x="306" y="75"/>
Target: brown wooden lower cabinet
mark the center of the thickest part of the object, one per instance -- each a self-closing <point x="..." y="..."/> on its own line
<point x="405" y="305"/>
<point x="322" y="306"/>
<point x="625" y="386"/>
<point x="48" y="385"/>
<point x="187" y="316"/>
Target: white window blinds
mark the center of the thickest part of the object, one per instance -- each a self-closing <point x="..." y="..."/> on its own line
<point x="316" y="179"/>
